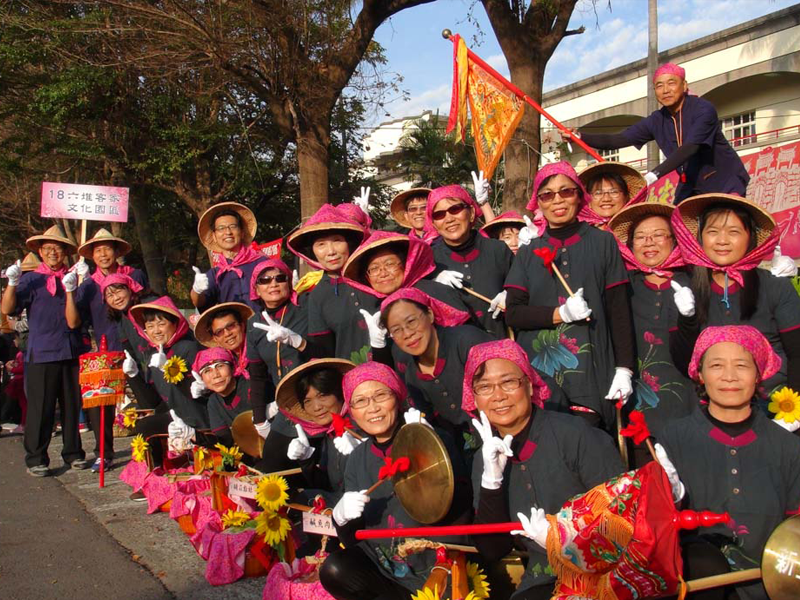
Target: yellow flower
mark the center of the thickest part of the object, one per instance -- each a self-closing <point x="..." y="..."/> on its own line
<point x="426" y="594"/>
<point x="476" y="580"/>
<point x="271" y="492"/>
<point x="233" y="452"/>
<point x="174" y="369"/>
<point x="129" y="418"/>
<point x="785" y="403"/>
<point x="138" y="448"/>
<point x="234" y="518"/>
<point x="273" y="527"/>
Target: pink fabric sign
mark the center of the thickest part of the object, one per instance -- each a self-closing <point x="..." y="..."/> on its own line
<point x="84" y="202"/>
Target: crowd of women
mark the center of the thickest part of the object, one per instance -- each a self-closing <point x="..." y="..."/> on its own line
<point x="517" y="342"/>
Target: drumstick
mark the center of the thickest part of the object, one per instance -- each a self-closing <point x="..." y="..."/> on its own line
<point x="704" y="583"/>
<point x="621" y="441"/>
<point x="562" y="280"/>
<point x="285" y="472"/>
<point x="375" y="486"/>
<point x="480" y="296"/>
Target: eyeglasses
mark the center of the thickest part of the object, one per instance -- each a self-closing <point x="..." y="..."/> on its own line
<point x="52" y="249"/>
<point x="267" y="279"/>
<point x="388" y="268"/>
<point x="223" y="228"/>
<point x="419" y="208"/>
<point x="409" y="326"/>
<point x="454" y="210"/>
<point x="507" y="385"/>
<point x="614" y="194"/>
<point x="659" y="237"/>
<point x="378" y="398"/>
<point x="566" y="193"/>
<point x="229" y="328"/>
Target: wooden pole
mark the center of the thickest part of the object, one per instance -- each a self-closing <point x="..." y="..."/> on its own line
<point x="705" y="583"/>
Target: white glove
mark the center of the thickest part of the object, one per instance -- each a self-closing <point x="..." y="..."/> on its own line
<point x="495" y="453"/>
<point x="178" y="429"/>
<point x="450" y="278"/>
<point x="528" y="233"/>
<point x="129" y="365"/>
<point x="295" y="278"/>
<point x="159" y="359"/>
<point x="482" y="188"/>
<point x="535" y="528"/>
<point x="346" y="443"/>
<point x="621" y="386"/>
<point x="575" y="308"/>
<point x="362" y="201"/>
<point x="412" y="415"/>
<point x="683" y="298"/>
<point x="351" y="506"/>
<point x="272" y="410"/>
<point x="678" y="489"/>
<point x="790" y="427"/>
<point x="377" y="333"/>
<point x="263" y="429"/>
<point x="782" y="266"/>
<point x="650" y="178"/>
<point x="498" y="304"/>
<point x="278" y="333"/>
<point x="299" y="448"/>
<point x="198" y="387"/>
<point x="200" y="284"/>
<point x="14" y="272"/>
<point x="70" y="281"/>
<point x="81" y="268"/>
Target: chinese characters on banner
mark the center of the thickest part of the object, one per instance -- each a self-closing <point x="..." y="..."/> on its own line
<point x="270" y="249"/>
<point x="87" y="202"/>
<point x="663" y="190"/>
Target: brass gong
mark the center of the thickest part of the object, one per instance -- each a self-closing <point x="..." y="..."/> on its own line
<point x="780" y="563"/>
<point x="245" y="435"/>
<point x="426" y="489"/>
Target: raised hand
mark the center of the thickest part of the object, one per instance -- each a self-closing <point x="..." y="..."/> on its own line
<point x="300" y="448"/>
<point x="495" y="453"/>
<point x="482" y="188"/>
<point x="575" y="308"/>
<point x="129" y="366"/>
<point x="683" y="298"/>
<point x="198" y="387"/>
<point x="201" y="283"/>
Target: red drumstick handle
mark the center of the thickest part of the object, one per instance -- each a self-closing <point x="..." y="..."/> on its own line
<point x="372" y="534"/>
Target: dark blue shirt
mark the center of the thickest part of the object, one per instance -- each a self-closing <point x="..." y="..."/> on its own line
<point x="229" y="287"/>
<point x="715" y="167"/>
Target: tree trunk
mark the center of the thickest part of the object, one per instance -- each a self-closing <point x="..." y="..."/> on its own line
<point x="153" y="263"/>
<point x="312" y="161"/>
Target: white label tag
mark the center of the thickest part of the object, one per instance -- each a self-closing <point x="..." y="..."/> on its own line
<point x="243" y="489"/>
<point x="321" y="524"/>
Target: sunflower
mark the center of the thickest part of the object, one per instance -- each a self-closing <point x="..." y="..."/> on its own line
<point x="273" y="527"/>
<point x="234" y="518"/>
<point x="174" y="369"/>
<point x="271" y="492"/>
<point x="785" y="403"/>
<point x="230" y="456"/>
<point x="138" y="448"/>
<point x="129" y="418"/>
<point x="476" y="580"/>
<point x="427" y="594"/>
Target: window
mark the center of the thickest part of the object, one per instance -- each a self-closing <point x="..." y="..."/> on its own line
<point x="740" y="129"/>
<point x="610" y="155"/>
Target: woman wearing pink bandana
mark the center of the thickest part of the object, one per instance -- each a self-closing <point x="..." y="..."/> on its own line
<point x="584" y="341"/>
<point x="725" y="238"/>
<point x="654" y="262"/>
<point x="729" y="457"/>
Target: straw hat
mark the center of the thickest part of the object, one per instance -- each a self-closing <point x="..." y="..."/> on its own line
<point x="620" y="223"/>
<point x="104" y="236"/>
<point x="398" y="205"/>
<point x="30" y="262"/>
<point x="203" y="323"/>
<point x="285" y="395"/>
<point x="300" y="241"/>
<point x="691" y="209"/>
<point x="53" y="234"/>
<point x="633" y="179"/>
<point x="205" y="226"/>
<point x="352" y="269"/>
<point x="510" y="219"/>
<point x="136" y="312"/>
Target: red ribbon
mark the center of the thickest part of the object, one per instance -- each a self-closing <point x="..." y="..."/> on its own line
<point x="340" y="424"/>
<point x="637" y="429"/>
<point x="319" y="505"/>
<point x="547" y="255"/>
<point x="242" y="471"/>
<point x="393" y="467"/>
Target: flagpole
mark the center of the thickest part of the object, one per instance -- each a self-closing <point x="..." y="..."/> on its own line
<point x="446" y="34"/>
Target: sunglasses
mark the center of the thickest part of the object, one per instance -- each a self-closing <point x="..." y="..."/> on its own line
<point x="267" y="279"/>
<point x="566" y="193"/>
<point x="454" y="210"/>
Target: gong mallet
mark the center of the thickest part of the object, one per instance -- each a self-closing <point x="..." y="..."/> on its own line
<point x="389" y="470"/>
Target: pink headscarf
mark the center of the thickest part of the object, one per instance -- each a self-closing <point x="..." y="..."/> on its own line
<point x="181" y="330"/>
<point x="669" y="69"/>
<point x="353" y="212"/>
<point x="549" y="170"/>
<point x="326" y="215"/>
<point x="271" y="263"/>
<point x="50" y="282"/>
<point x="212" y="355"/>
<point x="509" y="350"/>
<point x="419" y="261"/>
<point x="118" y="279"/>
<point x="694" y="254"/>
<point x="100" y="279"/>
<point x="748" y="337"/>
<point x="443" y="314"/>
<point x="373" y="371"/>
<point x="450" y="191"/>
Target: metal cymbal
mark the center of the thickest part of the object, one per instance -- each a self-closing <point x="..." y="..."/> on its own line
<point x="780" y="563"/>
<point x="245" y="435"/>
<point x="426" y="489"/>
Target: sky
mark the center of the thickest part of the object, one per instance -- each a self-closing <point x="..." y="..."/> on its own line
<point x="614" y="36"/>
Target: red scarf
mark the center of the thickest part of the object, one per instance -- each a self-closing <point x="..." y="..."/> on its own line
<point x="51" y="276"/>
<point x="245" y="256"/>
<point x="99" y="278"/>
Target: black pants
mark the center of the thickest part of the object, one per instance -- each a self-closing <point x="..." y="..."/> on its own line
<point x="93" y="416"/>
<point x="350" y="574"/>
<point x="48" y="383"/>
<point x="147" y="426"/>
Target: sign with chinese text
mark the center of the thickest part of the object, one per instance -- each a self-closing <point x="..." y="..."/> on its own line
<point x="241" y="488"/>
<point x="88" y="202"/>
<point x="321" y="524"/>
<point x="270" y="249"/>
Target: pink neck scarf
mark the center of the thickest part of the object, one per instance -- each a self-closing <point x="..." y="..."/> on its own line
<point x="51" y="276"/>
<point x="749" y="338"/>
<point x="271" y="263"/>
<point x="694" y="254"/>
<point x="443" y="314"/>
<point x="241" y="364"/>
<point x="246" y="255"/>
<point x="665" y="269"/>
<point x="99" y="278"/>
